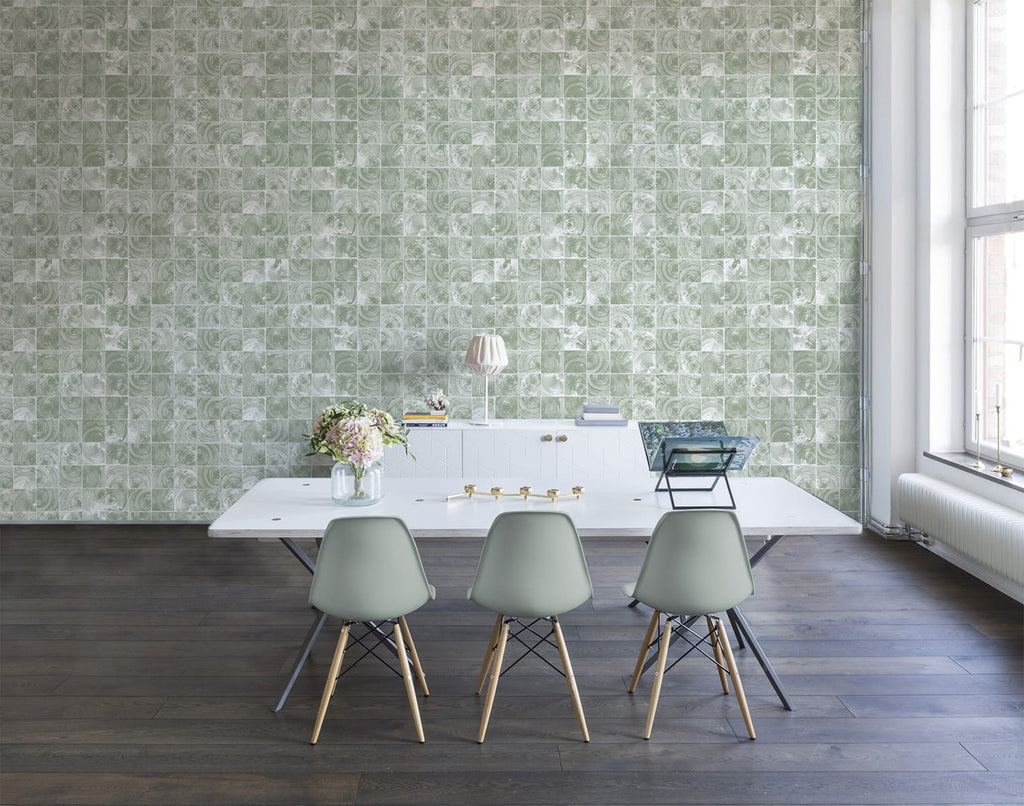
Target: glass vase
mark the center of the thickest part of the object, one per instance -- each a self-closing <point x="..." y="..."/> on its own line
<point x="353" y="487"/>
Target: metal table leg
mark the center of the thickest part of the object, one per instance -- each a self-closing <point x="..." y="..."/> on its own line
<point x="307" y="647"/>
<point x="769" y="542"/>
<point x="740" y="621"/>
<point x="314" y="630"/>
<point x="300" y="555"/>
<point x="736" y="631"/>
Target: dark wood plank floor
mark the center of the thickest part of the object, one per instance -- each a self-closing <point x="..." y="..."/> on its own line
<point x="140" y="665"/>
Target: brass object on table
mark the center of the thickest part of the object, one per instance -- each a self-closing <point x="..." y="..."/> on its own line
<point x="469" y="491"/>
<point x="526" y="491"/>
<point x="554" y="494"/>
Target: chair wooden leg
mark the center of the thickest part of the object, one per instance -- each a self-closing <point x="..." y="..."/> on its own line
<point x="648" y="637"/>
<point x="715" y="644"/>
<point x="414" y="656"/>
<point x="489" y="655"/>
<point x="492" y="689"/>
<point x="410" y="689"/>
<point x="570" y="678"/>
<point x="735" y="675"/>
<point x="332" y="681"/>
<point x="659" y="674"/>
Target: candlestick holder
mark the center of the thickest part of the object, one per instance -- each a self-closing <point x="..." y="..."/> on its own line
<point x="998" y="468"/>
<point x="525" y="491"/>
<point x="977" y="436"/>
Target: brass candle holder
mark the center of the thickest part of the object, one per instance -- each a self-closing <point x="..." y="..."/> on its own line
<point x="525" y="491"/>
<point x="1005" y="472"/>
<point x="977" y="437"/>
<point x="469" y="491"/>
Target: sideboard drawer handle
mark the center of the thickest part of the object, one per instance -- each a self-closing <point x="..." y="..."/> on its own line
<point x="563" y="437"/>
<point x="547" y="437"/>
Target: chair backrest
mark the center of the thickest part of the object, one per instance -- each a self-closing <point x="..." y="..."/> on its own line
<point x="696" y="563"/>
<point x="532" y="565"/>
<point x="368" y="569"/>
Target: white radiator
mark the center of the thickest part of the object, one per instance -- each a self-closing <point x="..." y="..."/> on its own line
<point x="983" y="537"/>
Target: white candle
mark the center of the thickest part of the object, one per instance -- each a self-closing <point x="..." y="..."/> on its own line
<point x="999" y="394"/>
<point x="977" y="402"/>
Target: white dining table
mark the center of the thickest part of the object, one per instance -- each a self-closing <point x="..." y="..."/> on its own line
<point x="302" y="507"/>
<point x="289" y="509"/>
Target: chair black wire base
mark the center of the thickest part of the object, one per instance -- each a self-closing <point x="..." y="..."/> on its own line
<point x="694" y="640"/>
<point x="375" y="631"/>
<point x="530" y="649"/>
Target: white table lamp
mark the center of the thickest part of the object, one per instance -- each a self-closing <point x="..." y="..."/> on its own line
<point x="486" y="356"/>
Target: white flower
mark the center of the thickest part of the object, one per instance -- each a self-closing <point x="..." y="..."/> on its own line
<point x="436" y="400"/>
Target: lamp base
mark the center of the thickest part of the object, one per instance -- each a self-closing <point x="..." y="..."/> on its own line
<point x="487" y="423"/>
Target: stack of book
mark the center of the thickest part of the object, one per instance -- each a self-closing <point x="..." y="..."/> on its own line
<point x="594" y="414"/>
<point x="425" y="419"/>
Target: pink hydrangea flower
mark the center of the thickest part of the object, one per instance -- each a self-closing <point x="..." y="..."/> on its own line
<point x="356" y="434"/>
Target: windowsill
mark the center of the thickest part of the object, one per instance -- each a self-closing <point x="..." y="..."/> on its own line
<point x="963" y="461"/>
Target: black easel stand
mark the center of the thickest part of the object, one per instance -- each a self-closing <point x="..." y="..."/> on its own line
<point x="687" y="467"/>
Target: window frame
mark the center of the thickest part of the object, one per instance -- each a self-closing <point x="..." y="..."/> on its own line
<point x="980" y="221"/>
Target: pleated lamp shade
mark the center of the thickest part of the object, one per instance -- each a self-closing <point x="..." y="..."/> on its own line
<point x="486" y="355"/>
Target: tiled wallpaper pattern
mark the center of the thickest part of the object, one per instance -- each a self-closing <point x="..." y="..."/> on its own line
<point x="216" y="217"/>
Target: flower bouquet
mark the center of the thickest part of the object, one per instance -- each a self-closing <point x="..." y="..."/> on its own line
<point x="354" y="435"/>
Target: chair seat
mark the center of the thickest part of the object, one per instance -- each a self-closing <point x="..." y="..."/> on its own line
<point x="358" y="613"/>
<point x="531" y="566"/>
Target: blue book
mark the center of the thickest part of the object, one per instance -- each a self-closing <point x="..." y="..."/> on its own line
<point x="596" y="408"/>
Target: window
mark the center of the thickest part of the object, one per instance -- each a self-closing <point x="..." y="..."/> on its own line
<point x="995" y="229"/>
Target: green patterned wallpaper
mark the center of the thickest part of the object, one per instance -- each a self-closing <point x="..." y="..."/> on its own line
<point x="216" y="217"/>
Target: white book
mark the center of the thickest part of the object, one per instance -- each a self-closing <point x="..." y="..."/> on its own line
<point x="619" y="422"/>
<point x="599" y="408"/>
<point x="601" y="415"/>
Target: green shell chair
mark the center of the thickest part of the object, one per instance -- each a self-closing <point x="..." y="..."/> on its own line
<point x="696" y="565"/>
<point x="531" y="569"/>
<point x="369" y="572"/>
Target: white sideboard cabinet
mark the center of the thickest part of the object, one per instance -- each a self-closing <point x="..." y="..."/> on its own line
<point x="437" y="451"/>
<point x="536" y="451"/>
